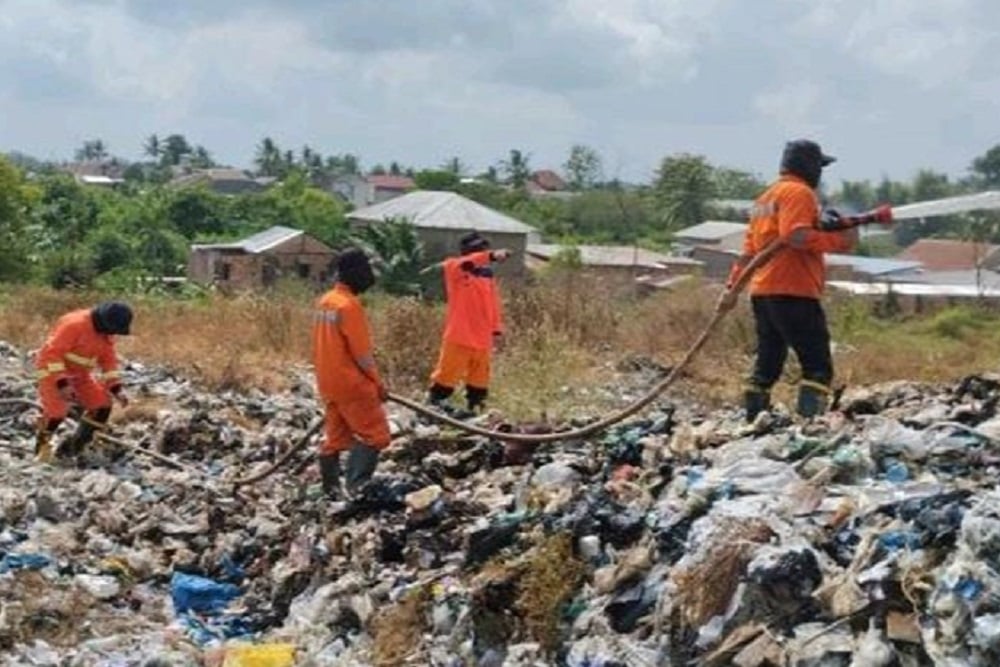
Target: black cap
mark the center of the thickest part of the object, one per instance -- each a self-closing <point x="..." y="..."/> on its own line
<point x="805" y="159"/>
<point x="473" y="242"/>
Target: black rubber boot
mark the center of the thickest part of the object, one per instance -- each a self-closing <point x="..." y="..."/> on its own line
<point x="813" y="398"/>
<point x="361" y="463"/>
<point x="439" y="394"/>
<point x="475" y="397"/>
<point x="329" y="471"/>
<point x="755" y="401"/>
<point x="90" y="423"/>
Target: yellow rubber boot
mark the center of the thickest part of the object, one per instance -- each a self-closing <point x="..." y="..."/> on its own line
<point x="44" y="452"/>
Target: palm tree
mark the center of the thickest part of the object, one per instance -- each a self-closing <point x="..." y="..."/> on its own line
<point x="268" y="159"/>
<point x="152" y="147"/>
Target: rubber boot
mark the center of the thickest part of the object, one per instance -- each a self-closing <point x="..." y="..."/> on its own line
<point x="812" y="398"/>
<point x="361" y="463"/>
<point x="756" y="400"/>
<point x="475" y="397"/>
<point x="44" y="452"/>
<point x="439" y="394"/>
<point x="90" y="423"/>
<point x="329" y="471"/>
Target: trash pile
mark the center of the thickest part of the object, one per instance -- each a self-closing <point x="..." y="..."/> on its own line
<point x="869" y="537"/>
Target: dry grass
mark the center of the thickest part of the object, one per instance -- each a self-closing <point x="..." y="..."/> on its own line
<point x="565" y="334"/>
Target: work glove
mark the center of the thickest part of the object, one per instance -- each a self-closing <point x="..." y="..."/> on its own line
<point x="121" y="398"/>
<point x="832" y="221"/>
<point x="727" y="301"/>
<point x="66" y="391"/>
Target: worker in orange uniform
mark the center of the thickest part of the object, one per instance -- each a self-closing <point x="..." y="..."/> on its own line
<point x="348" y="379"/>
<point x="785" y="291"/>
<point x="473" y="323"/>
<point x="81" y="342"/>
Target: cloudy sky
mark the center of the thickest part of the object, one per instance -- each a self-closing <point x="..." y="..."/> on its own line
<point x="887" y="85"/>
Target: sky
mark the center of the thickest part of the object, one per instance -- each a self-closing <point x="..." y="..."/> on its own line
<point x="888" y="86"/>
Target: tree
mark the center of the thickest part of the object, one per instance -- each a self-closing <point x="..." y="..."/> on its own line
<point x="455" y="166"/>
<point x="684" y="185"/>
<point x="16" y="198"/>
<point x="736" y="183"/>
<point x="174" y="150"/>
<point x="93" y="150"/>
<point x="201" y="158"/>
<point x="986" y="168"/>
<point x="152" y="147"/>
<point x="400" y="254"/>
<point x="378" y="170"/>
<point x="583" y="168"/>
<point x="395" y="169"/>
<point x="436" y="179"/>
<point x="109" y="250"/>
<point x="516" y="168"/>
<point x="343" y="165"/>
<point x="268" y="159"/>
<point x="856" y="195"/>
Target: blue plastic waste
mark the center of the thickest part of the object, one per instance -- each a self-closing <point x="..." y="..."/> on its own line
<point x="896" y="540"/>
<point x="968" y="588"/>
<point x="897" y="473"/>
<point x="24" y="562"/>
<point x="190" y="592"/>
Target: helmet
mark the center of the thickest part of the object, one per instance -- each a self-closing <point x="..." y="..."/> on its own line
<point x="112" y="317"/>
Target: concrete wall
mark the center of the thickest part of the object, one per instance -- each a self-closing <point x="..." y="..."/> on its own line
<point x="716" y="262"/>
<point x="303" y="258"/>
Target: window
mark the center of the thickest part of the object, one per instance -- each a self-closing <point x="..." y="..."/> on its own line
<point x="304" y="270"/>
<point x="222" y="271"/>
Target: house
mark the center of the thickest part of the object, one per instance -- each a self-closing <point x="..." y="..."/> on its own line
<point x="223" y="180"/>
<point x="947" y="255"/>
<point x="547" y="183"/>
<point x="861" y="268"/>
<point x="442" y="218"/>
<point x="716" y="262"/>
<point x="628" y="262"/>
<point x="916" y="297"/>
<point x="713" y="233"/>
<point x="101" y="173"/>
<point x="99" y="180"/>
<point x="360" y="191"/>
<point x="261" y="260"/>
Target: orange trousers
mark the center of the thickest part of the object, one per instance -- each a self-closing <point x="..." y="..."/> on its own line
<point x="90" y="394"/>
<point x="360" y="419"/>
<point x="458" y="363"/>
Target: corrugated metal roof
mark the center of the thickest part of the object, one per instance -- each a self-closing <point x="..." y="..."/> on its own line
<point x="875" y="266"/>
<point x="711" y="230"/>
<point x="442" y="210"/>
<point x="259" y="242"/>
<point x="913" y="289"/>
<point x="596" y="255"/>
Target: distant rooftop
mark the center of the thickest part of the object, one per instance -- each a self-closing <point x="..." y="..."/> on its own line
<point x="600" y="255"/>
<point x="441" y="210"/>
<point x="948" y="255"/>
<point x="876" y="266"/>
<point x="711" y="231"/>
<point x="258" y="243"/>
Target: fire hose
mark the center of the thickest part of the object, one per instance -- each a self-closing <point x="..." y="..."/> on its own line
<point x="574" y="434"/>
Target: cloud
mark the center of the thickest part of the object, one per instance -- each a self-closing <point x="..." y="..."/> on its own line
<point x="891" y="84"/>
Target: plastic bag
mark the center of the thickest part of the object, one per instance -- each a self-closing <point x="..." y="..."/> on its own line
<point x="190" y="592"/>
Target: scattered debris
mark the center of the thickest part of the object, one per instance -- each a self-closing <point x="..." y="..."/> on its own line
<point x="870" y="537"/>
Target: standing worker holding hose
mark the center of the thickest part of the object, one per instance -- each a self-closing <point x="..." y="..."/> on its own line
<point x="347" y="379"/>
<point x="785" y="291"/>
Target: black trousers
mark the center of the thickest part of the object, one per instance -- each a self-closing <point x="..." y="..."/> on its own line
<point x="795" y="322"/>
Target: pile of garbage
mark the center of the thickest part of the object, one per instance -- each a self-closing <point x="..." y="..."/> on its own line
<point x="869" y="537"/>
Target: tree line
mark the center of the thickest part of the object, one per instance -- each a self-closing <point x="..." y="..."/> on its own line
<point x="56" y="230"/>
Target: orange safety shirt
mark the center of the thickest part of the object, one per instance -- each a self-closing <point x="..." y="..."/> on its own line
<point x="74" y="348"/>
<point x="342" y="347"/>
<point x="789" y="210"/>
<point x="474" y="312"/>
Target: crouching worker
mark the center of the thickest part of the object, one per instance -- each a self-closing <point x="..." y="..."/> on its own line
<point x="80" y="342"/>
<point x="473" y="324"/>
<point x="347" y="379"/>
